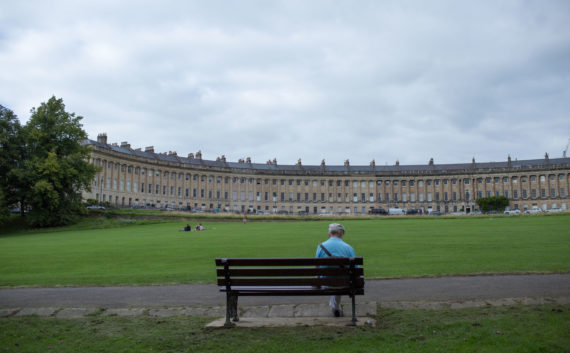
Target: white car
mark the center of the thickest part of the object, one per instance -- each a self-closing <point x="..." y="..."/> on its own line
<point x="515" y="211"/>
<point x="555" y="209"/>
<point x="533" y="210"/>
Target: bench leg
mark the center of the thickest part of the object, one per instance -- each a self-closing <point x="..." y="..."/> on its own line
<point x="234" y="308"/>
<point x="228" y="310"/>
<point x="353" y="321"/>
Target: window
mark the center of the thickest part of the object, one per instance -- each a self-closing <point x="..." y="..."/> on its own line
<point x="552" y="192"/>
<point x="505" y="179"/>
<point x="453" y="181"/>
<point x="420" y="183"/>
<point x="436" y="181"/>
<point x="413" y="197"/>
<point x="466" y="181"/>
<point x="445" y="196"/>
<point x="421" y="197"/>
<point x="515" y="194"/>
<point x="523" y="179"/>
<point x="496" y="180"/>
<point x="403" y="183"/>
<point x="412" y="182"/>
<point x="467" y="195"/>
<point x="454" y="196"/>
<point x="428" y="182"/>
<point x="524" y="194"/>
<point x="395" y="182"/>
<point x="429" y="196"/>
<point x="488" y="180"/>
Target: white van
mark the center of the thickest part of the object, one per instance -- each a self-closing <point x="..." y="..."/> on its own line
<point x="396" y="211"/>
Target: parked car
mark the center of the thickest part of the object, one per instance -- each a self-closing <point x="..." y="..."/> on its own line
<point x="378" y="210"/>
<point x="435" y="213"/>
<point x="282" y="212"/>
<point x="95" y="207"/>
<point x="396" y="211"/>
<point x="533" y="210"/>
<point x="515" y="211"/>
<point x="415" y="211"/>
<point x="555" y="209"/>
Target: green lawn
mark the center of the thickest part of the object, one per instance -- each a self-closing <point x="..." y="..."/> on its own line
<point x="504" y="329"/>
<point x="400" y="247"/>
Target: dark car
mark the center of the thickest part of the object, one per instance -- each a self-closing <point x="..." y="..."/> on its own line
<point x="436" y="213"/>
<point x="379" y="210"/>
<point x="415" y="211"/>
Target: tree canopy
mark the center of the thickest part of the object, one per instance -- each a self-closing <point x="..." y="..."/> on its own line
<point x="493" y="203"/>
<point x="47" y="164"/>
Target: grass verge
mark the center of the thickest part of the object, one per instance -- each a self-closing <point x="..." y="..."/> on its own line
<point x="492" y="329"/>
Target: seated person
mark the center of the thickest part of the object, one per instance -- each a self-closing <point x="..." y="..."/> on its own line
<point x="199" y="227"/>
<point x="187" y="228"/>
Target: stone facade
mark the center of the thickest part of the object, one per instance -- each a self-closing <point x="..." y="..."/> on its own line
<point x="132" y="177"/>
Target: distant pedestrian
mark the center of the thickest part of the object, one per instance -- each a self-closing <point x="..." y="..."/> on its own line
<point x="244" y="218"/>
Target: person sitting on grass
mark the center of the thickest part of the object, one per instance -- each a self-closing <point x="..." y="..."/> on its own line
<point x="200" y="227"/>
<point x="187" y="228"/>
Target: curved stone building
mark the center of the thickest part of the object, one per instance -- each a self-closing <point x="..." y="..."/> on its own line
<point x="133" y="177"/>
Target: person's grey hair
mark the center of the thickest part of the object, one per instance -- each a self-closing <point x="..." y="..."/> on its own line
<point x="336" y="229"/>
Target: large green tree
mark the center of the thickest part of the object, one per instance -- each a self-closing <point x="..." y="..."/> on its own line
<point x="44" y="164"/>
<point x="57" y="167"/>
<point x="493" y="203"/>
<point x="12" y="151"/>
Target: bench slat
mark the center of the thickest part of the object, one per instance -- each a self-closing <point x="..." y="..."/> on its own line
<point x="296" y="291"/>
<point x="287" y="272"/>
<point x="302" y="261"/>
<point x="326" y="281"/>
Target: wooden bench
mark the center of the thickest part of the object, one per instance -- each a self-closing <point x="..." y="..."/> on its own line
<point x="289" y="276"/>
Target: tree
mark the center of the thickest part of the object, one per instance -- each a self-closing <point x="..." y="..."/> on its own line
<point x="56" y="167"/>
<point x="493" y="203"/>
<point x="11" y="156"/>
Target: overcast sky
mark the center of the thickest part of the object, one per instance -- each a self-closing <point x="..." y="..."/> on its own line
<point x="334" y="80"/>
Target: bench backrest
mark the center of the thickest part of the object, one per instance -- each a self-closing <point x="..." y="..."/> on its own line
<point x="275" y="272"/>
